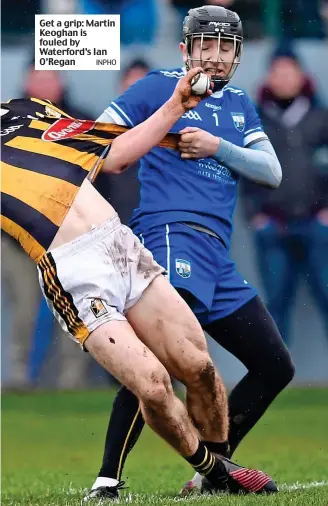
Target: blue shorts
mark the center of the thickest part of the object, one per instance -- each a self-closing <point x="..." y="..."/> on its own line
<point x="199" y="263"/>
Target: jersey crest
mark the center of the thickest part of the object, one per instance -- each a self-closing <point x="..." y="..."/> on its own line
<point x="238" y="120"/>
<point x="183" y="267"/>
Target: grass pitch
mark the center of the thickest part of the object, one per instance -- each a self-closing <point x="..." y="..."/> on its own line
<point x="52" y="446"/>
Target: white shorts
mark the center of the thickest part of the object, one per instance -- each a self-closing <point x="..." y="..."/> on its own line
<point x="96" y="278"/>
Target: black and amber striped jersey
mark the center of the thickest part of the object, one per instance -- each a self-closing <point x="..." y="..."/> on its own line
<point x="45" y="157"/>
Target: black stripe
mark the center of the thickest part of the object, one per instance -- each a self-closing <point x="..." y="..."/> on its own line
<point x="102" y="133"/>
<point x="67" y="295"/>
<point x="35" y="223"/>
<point x="67" y="317"/>
<point x="33" y="133"/>
<point x="51" y="294"/>
<point x="84" y="146"/>
<point x="44" y="164"/>
<point x="255" y="141"/>
<point x="22" y="107"/>
<point x="26" y="106"/>
<point x="45" y="119"/>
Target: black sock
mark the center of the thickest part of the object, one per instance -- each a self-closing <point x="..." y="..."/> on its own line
<point x="206" y="464"/>
<point x="202" y="459"/>
<point x="220" y="448"/>
<point x="125" y="426"/>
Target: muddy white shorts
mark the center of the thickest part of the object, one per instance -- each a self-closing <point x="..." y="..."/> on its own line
<point x="96" y="278"/>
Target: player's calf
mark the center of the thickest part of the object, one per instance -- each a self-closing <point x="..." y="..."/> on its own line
<point x="205" y="397"/>
<point x="167" y="415"/>
<point x="207" y="402"/>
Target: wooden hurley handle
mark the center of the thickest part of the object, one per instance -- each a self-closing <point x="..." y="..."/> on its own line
<point x="169" y="141"/>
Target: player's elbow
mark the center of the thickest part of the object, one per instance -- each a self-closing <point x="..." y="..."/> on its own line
<point x="274" y="172"/>
<point x="112" y="166"/>
<point x="115" y="162"/>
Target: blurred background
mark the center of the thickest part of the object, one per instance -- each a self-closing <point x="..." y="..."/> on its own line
<point x="280" y="239"/>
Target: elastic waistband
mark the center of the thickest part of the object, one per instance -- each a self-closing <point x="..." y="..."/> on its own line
<point x="96" y="234"/>
<point x="205" y="230"/>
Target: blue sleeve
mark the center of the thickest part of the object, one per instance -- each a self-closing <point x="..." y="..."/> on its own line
<point x="253" y="126"/>
<point x="137" y="103"/>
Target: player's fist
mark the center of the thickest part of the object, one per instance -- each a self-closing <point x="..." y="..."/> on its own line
<point x="183" y="92"/>
<point x="197" y="143"/>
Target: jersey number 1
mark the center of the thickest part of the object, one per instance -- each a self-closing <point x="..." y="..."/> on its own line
<point x="215" y="114"/>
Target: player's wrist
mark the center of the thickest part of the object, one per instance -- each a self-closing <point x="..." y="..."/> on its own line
<point x="216" y="144"/>
<point x="175" y="106"/>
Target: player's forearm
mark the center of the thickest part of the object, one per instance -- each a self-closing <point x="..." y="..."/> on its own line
<point x="259" y="163"/>
<point x="129" y="147"/>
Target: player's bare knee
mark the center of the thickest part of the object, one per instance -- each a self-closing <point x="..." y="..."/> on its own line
<point x="202" y="374"/>
<point x="206" y="375"/>
<point x="157" y="390"/>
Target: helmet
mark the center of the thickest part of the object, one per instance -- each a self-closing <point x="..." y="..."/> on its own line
<point x="211" y="21"/>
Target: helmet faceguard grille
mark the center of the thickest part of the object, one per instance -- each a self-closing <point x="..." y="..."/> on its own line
<point x="218" y="81"/>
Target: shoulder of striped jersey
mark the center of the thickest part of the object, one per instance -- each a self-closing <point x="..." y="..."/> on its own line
<point x="176" y="73"/>
<point x="233" y="89"/>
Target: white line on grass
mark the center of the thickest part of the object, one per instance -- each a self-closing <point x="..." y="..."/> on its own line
<point x="302" y="486"/>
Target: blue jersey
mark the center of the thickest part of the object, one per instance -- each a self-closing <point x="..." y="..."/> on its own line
<point x="202" y="191"/>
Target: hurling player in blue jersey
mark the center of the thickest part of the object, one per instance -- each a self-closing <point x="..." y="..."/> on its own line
<point x="187" y="201"/>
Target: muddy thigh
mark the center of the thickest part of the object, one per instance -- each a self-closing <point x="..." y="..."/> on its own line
<point x="165" y="323"/>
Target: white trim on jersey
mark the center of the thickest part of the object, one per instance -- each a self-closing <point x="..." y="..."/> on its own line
<point x="175" y="74"/>
<point x="252" y="130"/>
<point x="166" y="71"/>
<point x="121" y="112"/>
<point x="254" y="136"/>
<point x="219" y="94"/>
<point x="111" y="116"/>
<point x="234" y="90"/>
<point x="168" y="251"/>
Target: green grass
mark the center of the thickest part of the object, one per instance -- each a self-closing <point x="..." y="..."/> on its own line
<point x="52" y="446"/>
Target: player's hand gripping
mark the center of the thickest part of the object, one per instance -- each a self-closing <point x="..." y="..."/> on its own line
<point x="183" y="92"/>
<point x="197" y="143"/>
